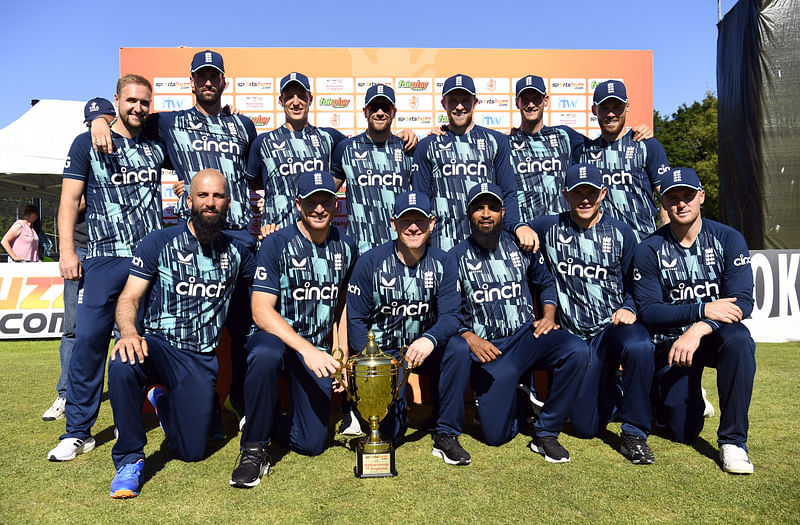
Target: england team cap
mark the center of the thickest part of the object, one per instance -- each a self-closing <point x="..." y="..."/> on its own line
<point x="378" y="91"/>
<point x="680" y="178"/>
<point x="610" y="89"/>
<point x="459" y="82"/>
<point x="485" y="188"/>
<point x="314" y="181"/>
<point x="97" y="107"/>
<point x="579" y="174"/>
<point x="412" y="201"/>
<point x="295" y="77"/>
<point x="531" y="82"/>
<point x="208" y="58"/>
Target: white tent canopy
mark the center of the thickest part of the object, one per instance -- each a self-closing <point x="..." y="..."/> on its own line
<point x="34" y="147"/>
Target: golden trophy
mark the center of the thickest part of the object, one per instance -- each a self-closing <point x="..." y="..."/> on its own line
<point x="372" y="385"/>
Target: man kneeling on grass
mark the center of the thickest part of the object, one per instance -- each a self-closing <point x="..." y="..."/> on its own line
<point x="189" y="273"/>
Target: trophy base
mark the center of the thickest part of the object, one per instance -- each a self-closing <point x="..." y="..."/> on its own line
<point x="375" y="464"/>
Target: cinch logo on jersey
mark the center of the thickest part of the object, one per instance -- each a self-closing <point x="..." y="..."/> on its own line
<point x="576" y="269"/>
<point x="290" y="167"/>
<point x="315" y="293"/>
<point x="136" y="261"/>
<point x="353" y="289"/>
<point x="697" y="291"/>
<point x="741" y="260"/>
<point x="199" y="289"/>
<point x="126" y="176"/>
<point x="216" y="146"/>
<point x="404" y="310"/>
<point x="622" y="177"/>
<point x="534" y="166"/>
<point x="465" y="168"/>
<point x="380" y="179"/>
<point x="487" y="294"/>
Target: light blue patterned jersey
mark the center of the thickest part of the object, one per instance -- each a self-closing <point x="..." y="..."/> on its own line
<point x="192" y="285"/>
<point x="447" y="166"/>
<point x="197" y="141"/>
<point x="592" y="269"/>
<point x="308" y="279"/>
<point x="279" y="157"/>
<point x="123" y="191"/>
<point x="402" y="303"/>
<point x="375" y="174"/>
<point x="540" y="161"/>
<point x="495" y="286"/>
<point x="631" y="171"/>
<point x="673" y="283"/>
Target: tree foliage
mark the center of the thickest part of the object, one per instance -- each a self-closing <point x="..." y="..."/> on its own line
<point x="689" y="137"/>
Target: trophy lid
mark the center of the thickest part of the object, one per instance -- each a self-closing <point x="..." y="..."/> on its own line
<point x="372" y="347"/>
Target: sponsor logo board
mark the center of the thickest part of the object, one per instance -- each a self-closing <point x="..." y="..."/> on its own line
<point x="255" y="102"/>
<point x="172" y="85"/>
<point x="254" y="85"/>
<point x="566" y="86"/>
<point x="334" y="85"/>
<point x="172" y="102"/>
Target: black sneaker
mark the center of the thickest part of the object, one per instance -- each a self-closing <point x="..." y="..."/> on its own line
<point x="636" y="449"/>
<point x="550" y="448"/>
<point x="534" y="403"/>
<point x="254" y="462"/>
<point x="447" y="447"/>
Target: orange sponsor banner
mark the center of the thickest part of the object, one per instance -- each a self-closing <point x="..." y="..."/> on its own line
<point x="31" y="301"/>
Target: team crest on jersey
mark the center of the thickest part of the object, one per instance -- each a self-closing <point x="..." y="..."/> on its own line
<point x="184" y="259"/>
<point x="224" y="261"/>
<point x="708" y="256"/>
<point x="337" y="262"/>
<point x="516" y="260"/>
<point x="474" y="267"/>
<point x="195" y="125"/>
<point x="564" y="240"/>
<point x="553" y="141"/>
<point x="427" y="279"/>
<point x="445" y="146"/>
<point x="481" y="143"/>
<point x="315" y="141"/>
<point x="388" y="283"/>
<point x="669" y="264"/>
<point x="299" y="264"/>
<point x="147" y="150"/>
<point x="232" y="127"/>
<point x="360" y="156"/>
<point x="629" y="152"/>
<point x="398" y="155"/>
<point x="605" y="245"/>
<point x="279" y="146"/>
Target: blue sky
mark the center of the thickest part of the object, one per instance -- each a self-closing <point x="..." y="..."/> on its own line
<point x="70" y="50"/>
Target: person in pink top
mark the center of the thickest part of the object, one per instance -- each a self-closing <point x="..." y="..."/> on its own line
<point x="21" y="240"/>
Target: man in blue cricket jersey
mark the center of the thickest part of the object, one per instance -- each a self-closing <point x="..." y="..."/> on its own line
<point x="208" y="137"/>
<point x="406" y="293"/>
<point x="298" y="299"/>
<point x="447" y="166"/>
<point x="502" y="333"/>
<point x="693" y="285"/>
<point x="279" y="156"/>
<point x="188" y="273"/>
<point x="375" y="169"/>
<point x="123" y="204"/>
<point x="631" y="170"/>
<point x="590" y="255"/>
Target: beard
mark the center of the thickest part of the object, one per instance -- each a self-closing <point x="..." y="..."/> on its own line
<point x="207" y="229"/>
<point x="487" y="240"/>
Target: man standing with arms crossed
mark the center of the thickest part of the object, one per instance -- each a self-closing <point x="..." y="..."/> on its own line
<point x="693" y="285"/>
<point x="123" y="204"/>
<point x="298" y="299"/>
<point x="406" y="292"/>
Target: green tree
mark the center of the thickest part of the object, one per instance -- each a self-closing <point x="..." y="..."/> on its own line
<point x="689" y="137"/>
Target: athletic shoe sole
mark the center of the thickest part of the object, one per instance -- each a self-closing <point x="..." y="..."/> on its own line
<point x="124" y="494"/>
<point x="439" y="453"/>
<point x="87" y="446"/>
<point x="547" y="458"/>
<point x="251" y="484"/>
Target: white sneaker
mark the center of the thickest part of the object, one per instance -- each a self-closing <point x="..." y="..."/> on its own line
<point x="56" y="411"/>
<point x="734" y="459"/>
<point x="68" y="448"/>
<point x="350" y="425"/>
<point x="708" y="411"/>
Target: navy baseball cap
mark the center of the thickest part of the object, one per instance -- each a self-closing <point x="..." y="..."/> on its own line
<point x="459" y="82"/>
<point x="531" y="82"/>
<point x="97" y="107"/>
<point x="314" y="181"/>
<point x="610" y="89"/>
<point x="412" y="201"/>
<point x="377" y="91"/>
<point x="485" y="188"/>
<point x="680" y="178"/>
<point x="208" y="58"/>
<point x="579" y="174"/>
<point x="295" y="77"/>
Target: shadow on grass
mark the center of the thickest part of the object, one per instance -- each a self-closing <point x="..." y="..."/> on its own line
<point x="707" y="449"/>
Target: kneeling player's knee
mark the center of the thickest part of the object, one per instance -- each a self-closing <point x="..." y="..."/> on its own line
<point x="737" y="339"/>
<point x="638" y="350"/>
<point x="264" y="352"/>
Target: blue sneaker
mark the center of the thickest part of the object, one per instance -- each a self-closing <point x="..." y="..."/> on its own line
<point x="128" y="481"/>
<point x="155" y="393"/>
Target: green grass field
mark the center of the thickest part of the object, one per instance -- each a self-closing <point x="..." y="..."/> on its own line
<point x="503" y="485"/>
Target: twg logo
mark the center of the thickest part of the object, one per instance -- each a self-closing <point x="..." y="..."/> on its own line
<point x="577" y="269"/>
<point x="487" y="294"/>
<point x="216" y="146"/>
<point x="195" y="288"/>
<point x="405" y="310"/>
<point x="529" y="165"/>
<point x="128" y="176"/>
<point x="293" y="167"/>
<point x="315" y="293"/>
<point x="472" y="168"/>
<point x="380" y="179"/>
<point x="685" y="292"/>
<point x="261" y="273"/>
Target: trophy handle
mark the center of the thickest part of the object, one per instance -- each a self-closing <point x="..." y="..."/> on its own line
<point x="338" y="355"/>
<point x="406" y="371"/>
